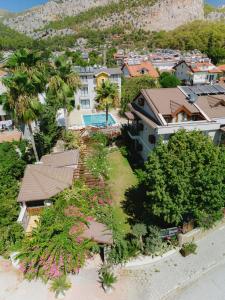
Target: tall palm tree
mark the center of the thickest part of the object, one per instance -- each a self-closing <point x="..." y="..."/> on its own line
<point x="26" y="58"/>
<point x="21" y="99"/>
<point x="63" y="84"/>
<point x="107" y="96"/>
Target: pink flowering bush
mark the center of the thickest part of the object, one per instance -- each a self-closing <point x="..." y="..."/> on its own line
<point x="56" y="247"/>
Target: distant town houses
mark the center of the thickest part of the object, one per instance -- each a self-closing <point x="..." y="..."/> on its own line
<point x="162" y="59"/>
<point x="197" y="73"/>
<point x="138" y="68"/>
<point x="158" y="113"/>
<point x="92" y="78"/>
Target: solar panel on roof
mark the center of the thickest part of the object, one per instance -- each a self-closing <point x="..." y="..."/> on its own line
<point x="219" y="88"/>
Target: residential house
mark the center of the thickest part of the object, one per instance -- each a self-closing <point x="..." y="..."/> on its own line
<point x="92" y="78"/>
<point x="139" y="68"/>
<point x="196" y="73"/>
<point x="158" y="113"/>
<point x="42" y="181"/>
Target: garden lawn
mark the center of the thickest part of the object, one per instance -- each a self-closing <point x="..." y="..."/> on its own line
<point x="121" y="176"/>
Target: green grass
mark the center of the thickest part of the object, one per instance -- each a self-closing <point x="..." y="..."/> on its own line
<point x="121" y="176"/>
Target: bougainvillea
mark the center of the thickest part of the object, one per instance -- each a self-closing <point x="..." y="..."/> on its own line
<point x="56" y="247"/>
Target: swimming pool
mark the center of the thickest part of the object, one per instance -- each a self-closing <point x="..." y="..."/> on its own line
<point x="98" y="120"/>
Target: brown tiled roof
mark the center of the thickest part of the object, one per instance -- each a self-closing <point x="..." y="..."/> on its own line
<point x="164" y="100"/>
<point x="42" y="182"/>
<point x="10" y="136"/>
<point x="98" y="232"/>
<point x="61" y="159"/>
<point x="135" y="70"/>
<point x="213" y="106"/>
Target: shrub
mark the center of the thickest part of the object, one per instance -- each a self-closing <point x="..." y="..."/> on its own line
<point x="153" y="243"/>
<point x="188" y="248"/>
<point x="60" y="285"/>
<point x="72" y="140"/>
<point x="106" y="277"/>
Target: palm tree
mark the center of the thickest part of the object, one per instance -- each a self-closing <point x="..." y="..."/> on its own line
<point x="26" y="58"/>
<point x="21" y="99"/>
<point x="63" y="84"/>
<point x="107" y="96"/>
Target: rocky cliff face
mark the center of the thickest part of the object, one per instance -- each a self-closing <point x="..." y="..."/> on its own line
<point x="164" y="15"/>
<point x="40" y="16"/>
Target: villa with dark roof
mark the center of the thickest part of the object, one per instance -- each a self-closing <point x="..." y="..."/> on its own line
<point x="158" y="113"/>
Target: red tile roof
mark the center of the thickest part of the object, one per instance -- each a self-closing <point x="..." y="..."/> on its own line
<point x="204" y="66"/>
<point x="136" y="70"/>
<point x="9" y="136"/>
<point x="221" y="68"/>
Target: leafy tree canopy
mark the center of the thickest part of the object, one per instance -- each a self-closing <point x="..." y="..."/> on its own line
<point x="131" y="87"/>
<point x="185" y="177"/>
<point x="168" y="80"/>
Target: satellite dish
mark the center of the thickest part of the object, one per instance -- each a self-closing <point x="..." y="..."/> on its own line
<point x="192" y="98"/>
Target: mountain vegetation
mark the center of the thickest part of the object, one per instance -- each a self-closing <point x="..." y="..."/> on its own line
<point x="11" y="39"/>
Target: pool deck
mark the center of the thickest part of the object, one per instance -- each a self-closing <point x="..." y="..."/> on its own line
<point x="76" y="120"/>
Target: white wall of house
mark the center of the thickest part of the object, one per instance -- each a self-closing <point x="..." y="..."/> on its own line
<point x="125" y="72"/>
<point x="182" y="72"/>
<point x="85" y="96"/>
<point x="211" y="129"/>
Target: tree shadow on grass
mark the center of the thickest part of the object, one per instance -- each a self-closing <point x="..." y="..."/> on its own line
<point x="138" y="208"/>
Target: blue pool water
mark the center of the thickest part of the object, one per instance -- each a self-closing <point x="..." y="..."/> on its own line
<point x="98" y="120"/>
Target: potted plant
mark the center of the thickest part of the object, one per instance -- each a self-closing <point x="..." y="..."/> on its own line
<point x="59" y="286"/>
<point x="107" y="279"/>
<point x="188" y="248"/>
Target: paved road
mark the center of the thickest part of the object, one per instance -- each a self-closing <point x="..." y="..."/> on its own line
<point x="210" y="286"/>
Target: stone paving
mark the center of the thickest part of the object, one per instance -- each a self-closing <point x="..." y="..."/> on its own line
<point x="163" y="279"/>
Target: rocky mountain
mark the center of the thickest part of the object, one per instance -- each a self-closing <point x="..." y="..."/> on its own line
<point x="151" y="15"/>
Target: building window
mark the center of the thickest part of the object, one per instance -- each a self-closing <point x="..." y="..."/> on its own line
<point x="84" y="91"/>
<point x="114" y="77"/>
<point x="83" y="78"/>
<point x="151" y="139"/>
<point x="85" y="104"/>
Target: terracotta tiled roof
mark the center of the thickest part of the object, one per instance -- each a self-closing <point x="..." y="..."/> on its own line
<point x="146" y="66"/>
<point x="10" y="136"/>
<point x="42" y="182"/>
<point x="221" y="68"/>
<point x="61" y="159"/>
<point x="98" y="232"/>
<point x="204" y="67"/>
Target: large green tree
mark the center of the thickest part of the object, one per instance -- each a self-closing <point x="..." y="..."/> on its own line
<point x="63" y="84"/>
<point x="107" y="96"/>
<point x="131" y="87"/>
<point x="185" y="177"/>
<point x="168" y="80"/>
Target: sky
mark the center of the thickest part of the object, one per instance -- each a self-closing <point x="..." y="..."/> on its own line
<point x="20" y="5"/>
